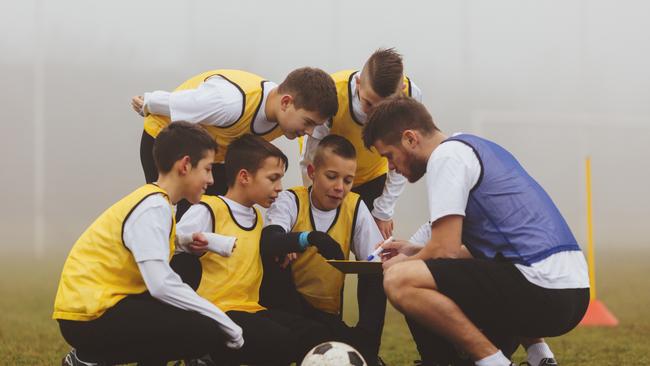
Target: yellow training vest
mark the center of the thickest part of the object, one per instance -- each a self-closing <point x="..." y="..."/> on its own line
<point x="100" y="269"/>
<point x="370" y="164"/>
<point x="318" y="282"/>
<point x="250" y="85"/>
<point x="233" y="283"/>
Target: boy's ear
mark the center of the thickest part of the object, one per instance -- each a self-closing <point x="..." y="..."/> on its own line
<point x="310" y="171"/>
<point x="285" y="101"/>
<point x="400" y="87"/>
<point x="184" y="165"/>
<point x="244" y="176"/>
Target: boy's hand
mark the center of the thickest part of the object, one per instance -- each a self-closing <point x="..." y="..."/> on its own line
<point x="199" y="244"/>
<point x="288" y="259"/>
<point x="137" y="103"/>
<point x="385" y="227"/>
<point x="327" y="247"/>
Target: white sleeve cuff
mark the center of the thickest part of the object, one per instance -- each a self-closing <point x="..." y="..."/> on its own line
<point x="381" y="215"/>
<point x="221" y="244"/>
<point x="384" y="205"/>
<point x="235" y="343"/>
<point x="156" y="102"/>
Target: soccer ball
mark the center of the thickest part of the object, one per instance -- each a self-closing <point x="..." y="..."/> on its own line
<point x="333" y="354"/>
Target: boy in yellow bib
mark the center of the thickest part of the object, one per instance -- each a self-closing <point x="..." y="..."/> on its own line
<point x="231" y="103"/>
<point x="322" y="222"/>
<point x="118" y="300"/>
<point x="382" y="76"/>
<point x="358" y="91"/>
<point x="254" y="169"/>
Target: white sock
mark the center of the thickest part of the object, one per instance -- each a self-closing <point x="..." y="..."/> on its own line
<point x="538" y="351"/>
<point x="74" y="354"/>
<point x="497" y="359"/>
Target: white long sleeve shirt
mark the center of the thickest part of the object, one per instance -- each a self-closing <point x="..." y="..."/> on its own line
<point x="146" y="235"/>
<point x="215" y="102"/>
<point x="366" y="236"/>
<point x="384" y="205"/>
<point x="198" y="218"/>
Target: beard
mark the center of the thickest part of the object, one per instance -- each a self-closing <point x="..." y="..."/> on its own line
<point x="416" y="169"/>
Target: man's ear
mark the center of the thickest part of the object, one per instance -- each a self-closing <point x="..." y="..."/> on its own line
<point x="410" y="139"/>
<point x="310" y="171"/>
<point x="285" y="101"/>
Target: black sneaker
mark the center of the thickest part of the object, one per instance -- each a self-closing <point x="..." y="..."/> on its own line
<point x="203" y="361"/>
<point x="71" y="359"/>
<point x="544" y="362"/>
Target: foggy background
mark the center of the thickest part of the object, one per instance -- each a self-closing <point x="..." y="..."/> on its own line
<point x="552" y="81"/>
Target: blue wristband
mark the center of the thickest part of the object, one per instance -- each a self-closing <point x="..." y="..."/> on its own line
<point x="302" y="240"/>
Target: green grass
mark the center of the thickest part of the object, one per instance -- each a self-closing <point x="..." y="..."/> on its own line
<point x="28" y="336"/>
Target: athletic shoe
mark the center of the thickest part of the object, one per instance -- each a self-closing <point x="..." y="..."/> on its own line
<point x="458" y="363"/>
<point x="544" y="362"/>
<point x="71" y="359"/>
<point x="203" y="361"/>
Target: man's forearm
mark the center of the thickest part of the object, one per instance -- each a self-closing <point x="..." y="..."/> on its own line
<point x="435" y="251"/>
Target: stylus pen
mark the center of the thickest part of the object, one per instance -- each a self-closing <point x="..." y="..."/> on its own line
<point x="379" y="249"/>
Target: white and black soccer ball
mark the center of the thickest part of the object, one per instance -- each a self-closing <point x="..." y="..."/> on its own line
<point x="333" y="354"/>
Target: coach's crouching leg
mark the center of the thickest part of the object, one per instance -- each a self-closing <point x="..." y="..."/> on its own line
<point x="412" y="289"/>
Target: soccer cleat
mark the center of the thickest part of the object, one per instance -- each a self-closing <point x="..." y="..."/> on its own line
<point x="71" y="359"/>
<point x="544" y="362"/>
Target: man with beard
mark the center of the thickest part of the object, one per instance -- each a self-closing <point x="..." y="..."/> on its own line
<point x="526" y="276"/>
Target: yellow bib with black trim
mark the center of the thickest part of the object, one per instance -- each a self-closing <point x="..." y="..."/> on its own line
<point x="100" y="270"/>
<point x="250" y="86"/>
<point x="318" y="282"/>
<point x="233" y="283"/>
<point x="370" y="164"/>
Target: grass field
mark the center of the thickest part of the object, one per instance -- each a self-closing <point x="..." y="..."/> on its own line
<point x="29" y="337"/>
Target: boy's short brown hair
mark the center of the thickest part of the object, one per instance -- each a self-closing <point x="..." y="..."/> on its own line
<point x="249" y="152"/>
<point x="312" y="89"/>
<point x="179" y="139"/>
<point x="385" y="71"/>
<point x="389" y="119"/>
<point x="338" y="145"/>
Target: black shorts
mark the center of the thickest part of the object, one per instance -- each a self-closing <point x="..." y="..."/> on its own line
<point x="498" y="299"/>
<point x="370" y="190"/>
